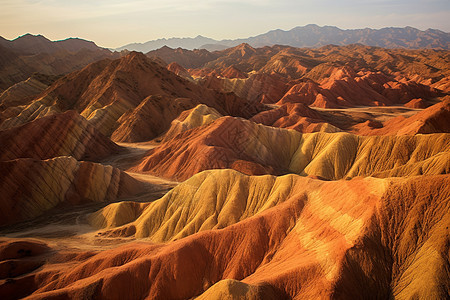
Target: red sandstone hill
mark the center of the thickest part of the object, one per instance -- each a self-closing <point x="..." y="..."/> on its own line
<point x="328" y="77"/>
<point x="310" y="239"/>
<point x="233" y="72"/>
<point x="342" y="87"/>
<point x="354" y="78"/>
<point x="255" y="149"/>
<point x="380" y="232"/>
<point x="24" y="92"/>
<point x="65" y="134"/>
<point x="179" y="70"/>
<point x="346" y="88"/>
<point x="106" y="90"/>
<point x="263" y="88"/>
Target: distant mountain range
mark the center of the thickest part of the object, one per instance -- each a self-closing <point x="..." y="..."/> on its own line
<point x="312" y="36"/>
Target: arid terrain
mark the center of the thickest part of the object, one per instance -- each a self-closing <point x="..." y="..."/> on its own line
<point x="245" y="173"/>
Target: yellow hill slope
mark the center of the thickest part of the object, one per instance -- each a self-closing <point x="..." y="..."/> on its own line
<point x="198" y="116"/>
<point x="299" y="237"/>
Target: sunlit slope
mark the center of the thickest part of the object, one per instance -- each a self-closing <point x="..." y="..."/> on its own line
<point x="209" y="200"/>
<point x="196" y="117"/>
<point x="361" y="238"/>
<point x="256" y="149"/>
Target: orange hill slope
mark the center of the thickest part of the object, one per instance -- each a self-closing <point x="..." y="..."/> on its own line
<point x="189" y="119"/>
<point x="304" y="238"/>
<point x="264" y="88"/>
<point x="341" y="75"/>
<point x="56" y="135"/>
<point x="342" y="87"/>
<point x="256" y="149"/>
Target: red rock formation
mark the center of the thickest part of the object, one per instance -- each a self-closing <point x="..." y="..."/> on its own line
<point x="23" y="92"/>
<point x="443" y="84"/>
<point x="233" y="72"/>
<point x="179" y="70"/>
<point x="424" y="66"/>
<point x="348" y="76"/>
<point x="262" y="88"/>
<point x="150" y="119"/>
<point x="416" y="103"/>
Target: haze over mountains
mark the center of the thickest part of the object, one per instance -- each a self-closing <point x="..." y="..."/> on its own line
<point x="271" y="172"/>
<point x="312" y="36"/>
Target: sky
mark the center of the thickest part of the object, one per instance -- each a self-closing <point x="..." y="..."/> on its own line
<point x="114" y="23"/>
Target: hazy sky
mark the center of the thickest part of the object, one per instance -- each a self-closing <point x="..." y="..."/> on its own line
<point x="113" y="23"/>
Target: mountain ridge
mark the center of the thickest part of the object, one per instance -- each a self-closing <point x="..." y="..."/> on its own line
<point x="35" y="44"/>
<point x="314" y="36"/>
